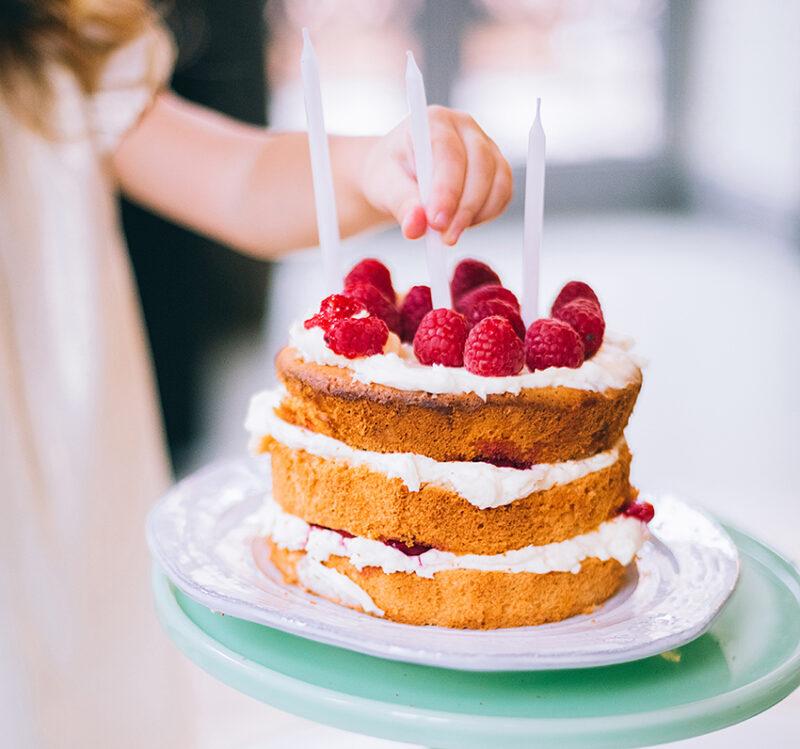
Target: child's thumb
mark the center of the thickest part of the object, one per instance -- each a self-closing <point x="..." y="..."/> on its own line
<point x="415" y="222"/>
<point x="402" y="201"/>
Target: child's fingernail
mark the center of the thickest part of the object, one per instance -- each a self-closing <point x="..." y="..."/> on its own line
<point x="439" y="220"/>
<point x="410" y="225"/>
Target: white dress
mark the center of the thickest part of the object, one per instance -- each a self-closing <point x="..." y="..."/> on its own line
<point x="83" y="662"/>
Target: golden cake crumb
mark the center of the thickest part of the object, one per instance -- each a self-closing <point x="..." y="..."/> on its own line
<point x="474" y="599"/>
<point x="539" y="425"/>
<point x="334" y="494"/>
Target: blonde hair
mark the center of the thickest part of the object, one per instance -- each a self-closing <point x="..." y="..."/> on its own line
<point x="77" y="34"/>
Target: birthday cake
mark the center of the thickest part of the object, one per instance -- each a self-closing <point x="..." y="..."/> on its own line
<point x="448" y="466"/>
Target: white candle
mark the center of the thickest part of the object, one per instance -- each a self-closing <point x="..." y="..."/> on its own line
<point x="324" y="198"/>
<point x="423" y="158"/>
<point x="534" y="210"/>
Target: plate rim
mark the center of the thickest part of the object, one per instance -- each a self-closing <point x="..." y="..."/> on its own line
<point x="713" y="713"/>
<point x="425" y="656"/>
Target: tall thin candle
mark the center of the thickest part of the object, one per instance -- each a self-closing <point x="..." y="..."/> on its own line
<point x="324" y="198"/>
<point x="423" y="158"/>
<point x="534" y="214"/>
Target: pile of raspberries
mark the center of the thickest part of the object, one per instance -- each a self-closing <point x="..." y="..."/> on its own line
<point x="483" y="332"/>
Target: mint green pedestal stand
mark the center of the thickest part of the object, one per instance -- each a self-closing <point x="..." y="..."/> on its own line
<point x="748" y="661"/>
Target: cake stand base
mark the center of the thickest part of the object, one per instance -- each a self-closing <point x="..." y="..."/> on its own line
<point x="746" y="662"/>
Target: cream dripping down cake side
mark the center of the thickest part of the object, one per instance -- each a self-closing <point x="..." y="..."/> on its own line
<point x="447" y="466"/>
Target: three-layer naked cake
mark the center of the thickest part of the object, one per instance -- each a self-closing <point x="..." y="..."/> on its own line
<point x="431" y="494"/>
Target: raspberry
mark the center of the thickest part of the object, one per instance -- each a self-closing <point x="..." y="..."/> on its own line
<point x="492" y="291"/>
<point x="376" y="303"/>
<point x="487" y="307"/>
<point x="552" y="343"/>
<point x="587" y="319"/>
<point x="493" y="349"/>
<point x="640" y="510"/>
<point x="440" y="338"/>
<point x="415" y="306"/>
<point x="410" y="551"/>
<point x="573" y="290"/>
<point x="372" y="271"/>
<point x="470" y="274"/>
<point x="334" y="307"/>
<point x="357" y="336"/>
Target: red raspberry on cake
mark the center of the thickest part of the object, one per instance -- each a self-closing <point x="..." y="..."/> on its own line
<point x="468" y="275"/>
<point x="353" y="337"/>
<point x="488" y="307"/>
<point x="334" y="307"/>
<point x="416" y="305"/>
<point x="552" y="343"/>
<point x="440" y="338"/>
<point x="493" y="349"/>
<point x="492" y="291"/>
<point x="573" y="290"/>
<point x="376" y="302"/>
<point x="640" y="510"/>
<point x="586" y="317"/>
<point x="372" y="271"/>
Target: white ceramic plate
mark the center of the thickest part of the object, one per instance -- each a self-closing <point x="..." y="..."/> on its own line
<point x="201" y="534"/>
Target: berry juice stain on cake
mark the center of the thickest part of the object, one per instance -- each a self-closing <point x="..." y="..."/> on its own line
<point x="414" y="550"/>
<point x="501" y="454"/>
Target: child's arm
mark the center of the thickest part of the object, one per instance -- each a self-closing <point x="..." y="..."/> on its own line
<point x="252" y="188"/>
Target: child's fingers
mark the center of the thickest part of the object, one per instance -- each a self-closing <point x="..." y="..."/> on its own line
<point x="471" y="179"/>
<point x="415" y="223"/>
<point x="449" y="168"/>
<point x="400" y="197"/>
<point x="499" y="195"/>
<point x="481" y="169"/>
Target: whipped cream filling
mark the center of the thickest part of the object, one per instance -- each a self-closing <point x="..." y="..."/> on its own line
<point x="618" y="539"/>
<point x="327" y="582"/>
<point x="612" y="367"/>
<point x="482" y="484"/>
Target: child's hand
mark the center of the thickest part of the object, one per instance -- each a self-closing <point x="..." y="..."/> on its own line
<point x="253" y="189"/>
<point x="471" y="179"/>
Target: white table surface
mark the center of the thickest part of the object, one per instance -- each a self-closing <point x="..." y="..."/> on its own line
<point x="715" y="310"/>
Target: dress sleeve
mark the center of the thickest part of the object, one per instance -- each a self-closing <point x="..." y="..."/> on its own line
<point x="131" y="78"/>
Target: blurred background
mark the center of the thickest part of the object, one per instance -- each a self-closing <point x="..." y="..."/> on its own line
<point x="673" y="187"/>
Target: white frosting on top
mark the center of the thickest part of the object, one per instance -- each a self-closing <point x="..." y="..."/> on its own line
<point x="328" y="582"/>
<point x="618" y="539"/>
<point x="612" y="367"/>
<point x="482" y="484"/>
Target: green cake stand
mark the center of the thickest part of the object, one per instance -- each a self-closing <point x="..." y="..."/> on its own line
<point x="748" y="661"/>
